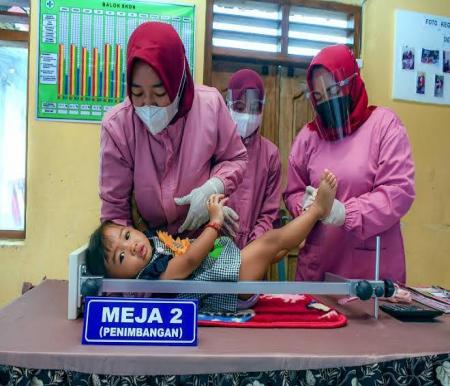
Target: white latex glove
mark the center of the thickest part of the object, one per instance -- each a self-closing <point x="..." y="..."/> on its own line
<point x="309" y="197"/>
<point x="198" y="211"/>
<point x="337" y="214"/>
<point x="231" y="222"/>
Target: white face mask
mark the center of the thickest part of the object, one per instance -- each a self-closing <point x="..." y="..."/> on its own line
<point x="158" y="118"/>
<point x="246" y="124"/>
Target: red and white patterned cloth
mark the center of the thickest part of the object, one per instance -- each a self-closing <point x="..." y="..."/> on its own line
<point x="286" y="311"/>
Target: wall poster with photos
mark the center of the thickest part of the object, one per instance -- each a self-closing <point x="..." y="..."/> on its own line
<point x="421" y="58"/>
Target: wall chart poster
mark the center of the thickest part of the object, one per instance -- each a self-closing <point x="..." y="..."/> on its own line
<point x="421" y="58"/>
<point x="82" y="52"/>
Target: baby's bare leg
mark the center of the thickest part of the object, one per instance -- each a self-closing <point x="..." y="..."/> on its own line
<point x="259" y="254"/>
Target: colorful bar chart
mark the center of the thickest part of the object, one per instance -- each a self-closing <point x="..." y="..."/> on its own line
<point x="84" y="42"/>
<point x="83" y="79"/>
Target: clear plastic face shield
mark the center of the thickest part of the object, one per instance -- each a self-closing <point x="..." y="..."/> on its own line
<point x="246" y="110"/>
<point x="332" y="103"/>
<point x="247" y="101"/>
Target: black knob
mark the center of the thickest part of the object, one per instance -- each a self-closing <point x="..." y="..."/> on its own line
<point x="389" y="288"/>
<point x="90" y="288"/>
<point x="364" y="290"/>
<point x="379" y="291"/>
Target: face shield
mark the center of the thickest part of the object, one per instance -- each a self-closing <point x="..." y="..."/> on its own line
<point x="246" y="110"/>
<point x="332" y="103"/>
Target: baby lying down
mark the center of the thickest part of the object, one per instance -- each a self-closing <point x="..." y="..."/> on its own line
<point x="123" y="252"/>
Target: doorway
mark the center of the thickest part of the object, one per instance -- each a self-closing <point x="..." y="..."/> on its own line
<point x="286" y="111"/>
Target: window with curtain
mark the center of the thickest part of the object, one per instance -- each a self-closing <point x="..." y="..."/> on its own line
<point x="13" y="118"/>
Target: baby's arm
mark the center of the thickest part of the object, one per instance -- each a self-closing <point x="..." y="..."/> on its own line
<point x="181" y="266"/>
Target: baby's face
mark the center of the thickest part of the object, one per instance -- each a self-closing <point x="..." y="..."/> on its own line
<point x="127" y="251"/>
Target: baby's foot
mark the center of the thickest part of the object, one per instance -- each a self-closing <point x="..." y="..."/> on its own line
<point x="325" y="194"/>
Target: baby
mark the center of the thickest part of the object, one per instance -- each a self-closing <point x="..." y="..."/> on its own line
<point x="124" y="252"/>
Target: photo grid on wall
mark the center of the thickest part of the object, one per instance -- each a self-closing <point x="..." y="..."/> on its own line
<point x="82" y="52"/>
<point x="421" y="58"/>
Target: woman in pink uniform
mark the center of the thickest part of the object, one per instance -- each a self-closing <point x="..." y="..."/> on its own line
<point x="170" y="144"/>
<point x="368" y="150"/>
<point x="257" y="198"/>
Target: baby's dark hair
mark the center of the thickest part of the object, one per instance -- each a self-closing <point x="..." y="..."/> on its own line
<point x="95" y="254"/>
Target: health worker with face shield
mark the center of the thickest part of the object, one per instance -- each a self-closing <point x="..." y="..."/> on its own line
<point x="368" y="150"/>
<point x="257" y="199"/>
<point x="170" y="144"/>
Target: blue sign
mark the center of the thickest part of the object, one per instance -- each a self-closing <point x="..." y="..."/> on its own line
<point x="137" y="321"/>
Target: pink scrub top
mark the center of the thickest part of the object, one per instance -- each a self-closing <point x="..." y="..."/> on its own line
<point x="257" y="198"/>
<point x="375" y="173"/>
<point x="157" y="168"/>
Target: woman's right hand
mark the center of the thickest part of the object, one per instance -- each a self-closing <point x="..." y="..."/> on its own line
<point x="215" y="206"/>
<point x="197" y="214"/>
<point x="309" y="197"/>
<point x="138" y="221"/>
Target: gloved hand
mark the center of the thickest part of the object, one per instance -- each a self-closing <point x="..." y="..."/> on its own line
<point x="231" y="222"/>
<point x="138" y="221"/>
<point x="309" y="197"/>
<point x="198" y="212"/>
<point x="337" y="214"/>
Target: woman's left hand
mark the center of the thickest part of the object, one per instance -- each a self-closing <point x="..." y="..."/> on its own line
<point x="198" y="213"/>
<point x="309" y="197"/>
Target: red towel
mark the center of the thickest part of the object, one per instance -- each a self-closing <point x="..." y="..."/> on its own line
<point x="287" y="311"/>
